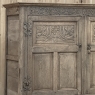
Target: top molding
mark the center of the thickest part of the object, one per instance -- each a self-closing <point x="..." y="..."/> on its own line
<point x="48" y="5"/>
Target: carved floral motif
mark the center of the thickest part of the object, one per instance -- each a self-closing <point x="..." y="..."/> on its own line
<point x="55" y="33"/>
<point x="72" y="11"/>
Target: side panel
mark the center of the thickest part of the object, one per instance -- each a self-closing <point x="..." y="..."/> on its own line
<point x="12" y="55"/>
<point x="13" y="35"/>
<point x="12" y="78"/>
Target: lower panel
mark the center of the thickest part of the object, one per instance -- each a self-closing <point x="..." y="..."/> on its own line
<point x="67" y="84"/>
<point x="42" y="68"/>
<point x="67" y="78"/>
<point x="91" y="74"/>
<point x="52" y="78"/>
<point x="12" y="77"/>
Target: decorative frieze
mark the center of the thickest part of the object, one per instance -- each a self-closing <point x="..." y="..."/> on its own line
<point x="72" y="11"/>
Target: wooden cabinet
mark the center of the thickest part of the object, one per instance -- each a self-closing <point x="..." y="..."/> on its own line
<point x="50" y="49"/>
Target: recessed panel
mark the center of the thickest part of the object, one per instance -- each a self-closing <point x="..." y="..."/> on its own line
<point x="55" y="32"/>
<point x="93" y="32"/>
<point x="42" y="71"/>
<point x="67" y="77"/>
<point x="92" y="73"/>
<point x="13" y="35"/>
<point x="12" y="77"/>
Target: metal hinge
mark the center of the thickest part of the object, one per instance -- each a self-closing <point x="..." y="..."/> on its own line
<point x="27" y="84"/>
<point x="27" y="32"/>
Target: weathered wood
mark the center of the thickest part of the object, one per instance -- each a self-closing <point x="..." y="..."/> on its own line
<point x="2" y="65"/>
<point x="11" y="57"/>
<point x="55" y="71"/>
<point x="21" y="52"/>
<point x="42" y="71"/>
<point x="46" y="40"/>
<point x="13" y="35"/>
<point x="2" y="49"/>
<point x="55" y="48"/>
<point x="67" y="70"/>
<point x="12" y="77"/>
<point x="90" y="75"/>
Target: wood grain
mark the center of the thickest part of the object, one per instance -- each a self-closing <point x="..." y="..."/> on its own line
<point x="67" y="70"/>
<point x="2" y="32"/>
<point x="42" y="71"/>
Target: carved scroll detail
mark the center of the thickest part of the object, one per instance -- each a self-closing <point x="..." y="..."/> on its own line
<point x="55" y="33"/>
<point x="74" y="11"/>
<point x="27" y="30"/>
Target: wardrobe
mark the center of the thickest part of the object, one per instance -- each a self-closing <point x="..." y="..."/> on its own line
<point x="50" y="49"/>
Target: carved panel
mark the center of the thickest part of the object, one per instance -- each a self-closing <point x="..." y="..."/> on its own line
<point x="74" y="11"/>
<point x="55" y="32"/>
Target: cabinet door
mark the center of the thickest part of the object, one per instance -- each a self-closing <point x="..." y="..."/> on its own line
<point x="54" y="55"/>
<point x="90" y="74"/>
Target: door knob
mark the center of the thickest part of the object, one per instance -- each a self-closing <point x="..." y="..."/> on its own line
<point x="89" y="48"/>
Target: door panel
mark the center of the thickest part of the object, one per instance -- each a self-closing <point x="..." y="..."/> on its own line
<point x="55" y="55"/>
<point x="90" y="76"/>
<point x="67" y="70"/>
<point x="42" y="66"/>
<point x="93" y="70"/>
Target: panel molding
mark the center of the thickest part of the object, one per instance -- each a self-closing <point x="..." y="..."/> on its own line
<point x="2" y="23"/>
<point x="42" y="71"/>
<point x="54" y="33"/>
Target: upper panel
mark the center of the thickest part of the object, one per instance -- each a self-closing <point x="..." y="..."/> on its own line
<point x="13" y="35"/>
<point x="55" y="32"/>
